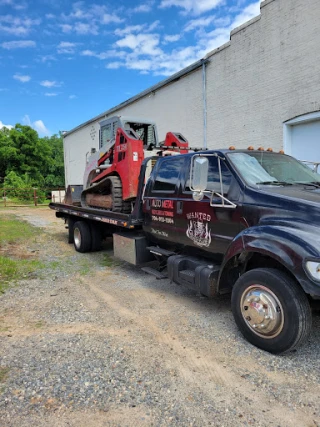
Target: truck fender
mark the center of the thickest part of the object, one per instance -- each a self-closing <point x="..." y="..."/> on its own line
<point x="283" y="244"/>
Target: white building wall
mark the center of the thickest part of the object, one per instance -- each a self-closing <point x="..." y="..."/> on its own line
<point x="266" y="75"/>
<point x="75" y="147"/>
<point x="176" y="108"/>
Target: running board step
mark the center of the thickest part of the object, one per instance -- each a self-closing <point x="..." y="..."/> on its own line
<point x="154" y="272"/>
<point x="160" y="251"/>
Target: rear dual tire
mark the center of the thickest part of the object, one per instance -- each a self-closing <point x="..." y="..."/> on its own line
<point x="86" y="237"/>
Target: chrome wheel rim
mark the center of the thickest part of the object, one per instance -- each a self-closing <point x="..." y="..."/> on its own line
<point x="262" y="311"/>
<point x="77" y="237"/>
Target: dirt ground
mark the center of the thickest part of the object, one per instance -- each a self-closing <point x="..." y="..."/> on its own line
<point x="100" y="343"/>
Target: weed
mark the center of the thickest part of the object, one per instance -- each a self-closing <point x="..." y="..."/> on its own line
<point x="12" y="270"/>
<point x="12" y="230"/>
<point x="84" y="266"/>
<point x="39" y="324"/>
<point x="55" y="264"/>
<point x="107" y="261"/>
<point x="3" y="374"/>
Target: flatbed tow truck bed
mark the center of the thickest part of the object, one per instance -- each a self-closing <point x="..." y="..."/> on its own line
<point x="107" y="217"/>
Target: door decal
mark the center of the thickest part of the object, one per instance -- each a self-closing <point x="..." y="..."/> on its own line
<point x="198" y="229"/>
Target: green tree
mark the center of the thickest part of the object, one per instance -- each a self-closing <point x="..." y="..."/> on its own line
<point x="27" y="155"/>
<point x="8" y="153"/>
<point x="54" y="174"/>
<point x="21" y="187"/>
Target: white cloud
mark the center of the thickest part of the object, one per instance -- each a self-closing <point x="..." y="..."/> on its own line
<point x="18" y="44"/>
<point x="46" y="58"/>
<point x="198" y="23"/>
<point x="129" y="29"/>
<point x="50" y="94"/>
<point x="192" y="6"/>
<point x="2" y="125"/>
<point x="72" y="96"/>
<point x="114" y="65"/>
<point x="219" y="36"/>
<point x="37" y="125"/>
<point x="66" y="47"/>
<point x="17" y="26"/>
<point x="84" y="19"/>
<point x="248" y="13"/>
<point x="113" y="53"/>
<point x="137" y="48"/>
<point x="22" y="78"/>
<point x="107" y="19"/>
<point x="50" y="83"/>
<point x="142" y="8"/>
<point x="82" y="28"/>
<point x="66" y="28"/>
<point x="26" y="120"/>
<point x="13" y="4"/>
<point x="172" y="38"/>
<point x="146" y="44"/>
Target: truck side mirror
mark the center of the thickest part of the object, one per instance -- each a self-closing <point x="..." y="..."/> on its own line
<point x="199" y="173"/>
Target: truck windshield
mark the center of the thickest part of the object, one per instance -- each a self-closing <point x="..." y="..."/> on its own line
<point x="265" y="168"/>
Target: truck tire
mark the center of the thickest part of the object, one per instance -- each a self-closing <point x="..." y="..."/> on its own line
<point x="82" y="237"/>
<point x="71" y="222"/>
<point x="271" y="310"/>
<point x="96" y="237"/>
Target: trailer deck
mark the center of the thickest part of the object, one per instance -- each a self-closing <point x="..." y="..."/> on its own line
<point x="107" y="217"/>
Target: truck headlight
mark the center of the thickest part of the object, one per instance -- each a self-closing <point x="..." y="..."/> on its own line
<point x="313" y="268"/>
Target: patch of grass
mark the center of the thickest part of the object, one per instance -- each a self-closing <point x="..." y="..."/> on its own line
<point x="107" y="261"/>
<point x="3" y="374"/>
<point x="39" y="324"/>
<point x="13" y="230"/>
<point x="55" y="264"/>
<point x="12" y="270"/>
<point x="84" y="267"/>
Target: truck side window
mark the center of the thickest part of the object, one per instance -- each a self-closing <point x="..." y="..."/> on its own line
<point x="168" y="175"/>
<point x="213" y="176"/>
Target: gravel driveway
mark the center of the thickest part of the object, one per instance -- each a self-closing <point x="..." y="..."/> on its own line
<point x="91" y="341"/>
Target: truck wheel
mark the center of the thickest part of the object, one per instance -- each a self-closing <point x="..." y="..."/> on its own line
<point x="271" y="310"/>
<point x="96" y="237"/>
<point x="70" y="230"/>
<point x="82" y="236"/>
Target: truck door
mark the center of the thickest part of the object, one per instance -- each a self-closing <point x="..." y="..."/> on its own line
<point x="160" y="199"/>
<point x="211" y="228"/>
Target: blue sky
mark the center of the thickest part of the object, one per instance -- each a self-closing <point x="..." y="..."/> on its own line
<point x="64" y="62"/>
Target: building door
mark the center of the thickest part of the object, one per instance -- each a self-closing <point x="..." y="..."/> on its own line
<point x="302" y="138"/>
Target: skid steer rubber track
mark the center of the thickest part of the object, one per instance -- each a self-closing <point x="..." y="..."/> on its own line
<point x="110" y="185"/>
